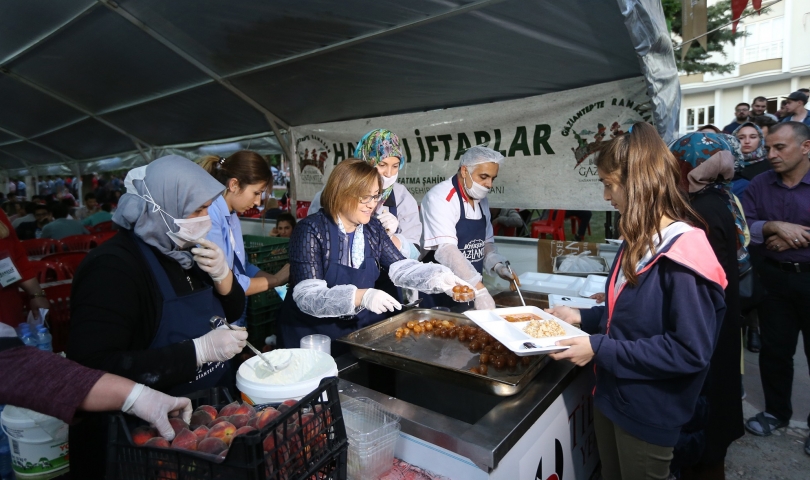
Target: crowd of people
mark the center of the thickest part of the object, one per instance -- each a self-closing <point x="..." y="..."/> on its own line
<point x="713" y="226"/>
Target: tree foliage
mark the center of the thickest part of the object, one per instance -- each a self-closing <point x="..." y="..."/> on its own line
<point x="697" y="60"/>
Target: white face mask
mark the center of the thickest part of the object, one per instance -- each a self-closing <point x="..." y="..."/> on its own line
<point x="388" y="181"/>
<point x="191" y="230"/>
<point x="476" y="191"/>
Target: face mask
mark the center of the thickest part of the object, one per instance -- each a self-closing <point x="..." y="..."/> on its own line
<point x="477" y="191"/>
<point x="191" y="230"/>
<point x="388" y="181"/>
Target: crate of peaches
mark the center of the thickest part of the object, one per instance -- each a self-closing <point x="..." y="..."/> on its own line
<point x="304" y="439"/>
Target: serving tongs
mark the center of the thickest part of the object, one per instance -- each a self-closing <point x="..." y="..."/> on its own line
<point x="517" y="286"/>
<point x="262" y="370"/>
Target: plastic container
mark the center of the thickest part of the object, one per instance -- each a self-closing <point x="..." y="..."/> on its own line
<point x="298" y="452"/>
<point x="27" y="337"/>
<point x="372" y="434"/>
<point x="260" y="250"/>
<point x="257" y="392"/>
<point x="39" y="443"/>
<point x="321" y="343"/>
<point x="6" y="472"/>
<point x="44" y="339"/>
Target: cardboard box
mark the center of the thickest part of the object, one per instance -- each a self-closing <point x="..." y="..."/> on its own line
<point x="547" y="250"/>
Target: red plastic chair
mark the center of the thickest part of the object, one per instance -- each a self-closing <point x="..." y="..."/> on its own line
<point x="41" y="246"/>
<point x="59" y="315"/>
<point x="502" y="231"/>
<point x="102" y="227"/>
<point x="49" y="271"/>
<point x="302" y="209"/>
<point x="555" y="226"/>
<point x="70" y="260"/>
<point x="79" y="243"/>
<point x="104" y="236"/>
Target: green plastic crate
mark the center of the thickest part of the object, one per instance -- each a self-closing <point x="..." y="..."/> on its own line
<point x="258" y="332"/>
<point x="265" y="249"/>
<point x="273" y="266"/>
<point x="263" y="300"/>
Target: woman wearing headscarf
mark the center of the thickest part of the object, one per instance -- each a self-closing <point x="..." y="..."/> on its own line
<point x="708" y="162"/>
<point x="141" y="302"/>
<point x="397" y="209"/>
<point x="750" y="156"/>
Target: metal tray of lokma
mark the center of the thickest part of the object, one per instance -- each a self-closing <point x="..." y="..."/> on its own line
<point x="444" y="359"/>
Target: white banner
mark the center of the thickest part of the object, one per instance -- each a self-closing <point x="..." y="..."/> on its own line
<point x="548" y="140"/>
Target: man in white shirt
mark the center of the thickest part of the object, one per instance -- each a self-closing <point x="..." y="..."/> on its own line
<point x="457" y="232"/>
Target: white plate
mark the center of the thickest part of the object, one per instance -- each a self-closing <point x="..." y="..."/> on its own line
<point x="550" y="283"/>
<point x="593" y="284"/>
<point x="512" y="334"/>
<point x="573" y="302"/>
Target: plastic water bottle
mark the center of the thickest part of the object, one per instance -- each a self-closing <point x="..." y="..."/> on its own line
<point x="6" y="472"/>
<point x="27" y="338"/>
<point x="44" y="339"/>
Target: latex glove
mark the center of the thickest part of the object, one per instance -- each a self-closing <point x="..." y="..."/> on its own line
<point x="483" y="300"/>
<point x="220" y="345"/>
<point x="378" y="301"/>
<point x="448" y="280"/>
<point x="211" y="259"/>
<point x="503" y="271"/>
<point x="155" y="407"/>
<point x="389" y="222"/>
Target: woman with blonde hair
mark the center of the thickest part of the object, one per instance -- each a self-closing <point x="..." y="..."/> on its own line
<point x="652" y="341"/>
<point x="337" y="255"/>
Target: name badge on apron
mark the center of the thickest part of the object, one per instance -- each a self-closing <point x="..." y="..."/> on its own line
<point x="8" y="272"/>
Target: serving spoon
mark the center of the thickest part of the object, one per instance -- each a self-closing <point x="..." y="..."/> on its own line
<point x="262" y="370"/>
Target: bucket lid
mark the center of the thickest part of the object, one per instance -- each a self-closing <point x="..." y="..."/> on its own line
<point x="18" y="417"/>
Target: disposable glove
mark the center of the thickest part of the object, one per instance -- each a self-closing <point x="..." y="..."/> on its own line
<point x="220" y="345"/>
<point x="211" y="259"/>
<point x="155" y="407"/>
<point x="448" y="280"/>
<point x="378" y="301"/>
<point x="483" y="300"/>
<point x="389" y="222"/>
<point x="503" y="271"/>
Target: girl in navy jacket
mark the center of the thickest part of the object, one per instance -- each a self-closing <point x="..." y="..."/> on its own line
<point x="652" y="341"/>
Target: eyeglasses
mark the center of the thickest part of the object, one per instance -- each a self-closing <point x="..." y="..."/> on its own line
<point x="370" y="198"/>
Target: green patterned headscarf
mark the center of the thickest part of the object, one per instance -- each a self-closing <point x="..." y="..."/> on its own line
<point x="378" y="145"/>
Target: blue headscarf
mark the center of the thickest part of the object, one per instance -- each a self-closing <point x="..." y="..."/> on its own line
<point x="376" y="146"/>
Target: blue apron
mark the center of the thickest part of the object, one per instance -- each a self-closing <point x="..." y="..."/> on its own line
<point x="295" y="324"/>
<point x="240" y="269"/>
<point x="384" y="283"/>
<point x="186" y="318"/>
<point x="471" y="235"/>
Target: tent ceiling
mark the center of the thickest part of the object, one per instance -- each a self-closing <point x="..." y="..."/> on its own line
<point x="81" y="79"/>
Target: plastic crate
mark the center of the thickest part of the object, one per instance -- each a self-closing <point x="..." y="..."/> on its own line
<point x="258" y="332"/>
<point x="265" y="249"/>
<point x="316" y="449"/>
<point x="374" y="459"/>
<point x="263" y="300"/>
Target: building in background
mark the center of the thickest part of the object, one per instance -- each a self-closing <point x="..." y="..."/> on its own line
<point x="772" y="61"/>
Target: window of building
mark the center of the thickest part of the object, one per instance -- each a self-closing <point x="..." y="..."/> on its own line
<point x="763" y="40"/>
<point x="696" y="117"/>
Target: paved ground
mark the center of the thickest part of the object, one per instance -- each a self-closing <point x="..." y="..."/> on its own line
<point x="780" y="456"/>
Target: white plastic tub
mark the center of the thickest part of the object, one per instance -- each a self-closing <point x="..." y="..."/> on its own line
<point x="256" y="392"/>
<point x="39" y="443"/>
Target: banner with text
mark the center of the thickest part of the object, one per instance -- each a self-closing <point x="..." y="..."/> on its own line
<point x="548" y="141"/>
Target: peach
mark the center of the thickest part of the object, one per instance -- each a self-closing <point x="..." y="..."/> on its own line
<point x="269" y="443"/>
<point x="185" y="440"/>
<point x="266" y="416"/>
<point x="158" y="442"/>
<point x="245" y="409"/>
<point x="216" y="421"/>
<point x="211" y="445"/>
<point x="143" y="434"/>
<point x="201" y="431"/>
<point x="200" y="417"/>
<point x="208" y="408"/>
<point x="239" y="421"/>
<point x="178" y="424"/>
<point x="224" y="431"/>
<point x="229" y="409"/>
<point x="242" y="430"/>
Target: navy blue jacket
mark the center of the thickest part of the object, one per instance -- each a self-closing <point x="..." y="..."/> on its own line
<point x="653" y="341"/>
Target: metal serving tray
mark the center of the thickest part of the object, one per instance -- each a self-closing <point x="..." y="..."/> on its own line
<point x="444" y="359"/>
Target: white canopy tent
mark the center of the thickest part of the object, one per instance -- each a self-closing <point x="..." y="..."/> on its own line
<point x="83" y="82"/>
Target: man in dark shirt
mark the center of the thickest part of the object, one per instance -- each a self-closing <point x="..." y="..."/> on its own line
<point x="777" y="208"/>
<point x="796" y="108"/>
<point x="741" y="112"/>
<point x="29" y="230"/>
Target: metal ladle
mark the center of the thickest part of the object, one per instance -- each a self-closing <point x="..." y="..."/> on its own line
<point x="262" y="370"/>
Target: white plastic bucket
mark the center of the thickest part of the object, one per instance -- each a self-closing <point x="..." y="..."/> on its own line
<point x="38" y="443"/>
<point x="256" y="392"/>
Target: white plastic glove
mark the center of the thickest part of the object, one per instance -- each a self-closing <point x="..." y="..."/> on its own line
<point x="389" y="222"/>
<point x="503" y="271"/>
<point x="483" y="300"/>
<point x="448" y="280"/>
<point x="220" y="345"/>
<point x="155" y="407"/>
<point x="378" y="301"/>
<point x="211" y="259"/>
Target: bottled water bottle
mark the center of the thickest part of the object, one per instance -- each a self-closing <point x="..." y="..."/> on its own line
<point x="44" y="339"/>
<point x="27" y="338"/>
<point x="6" y="473"/>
